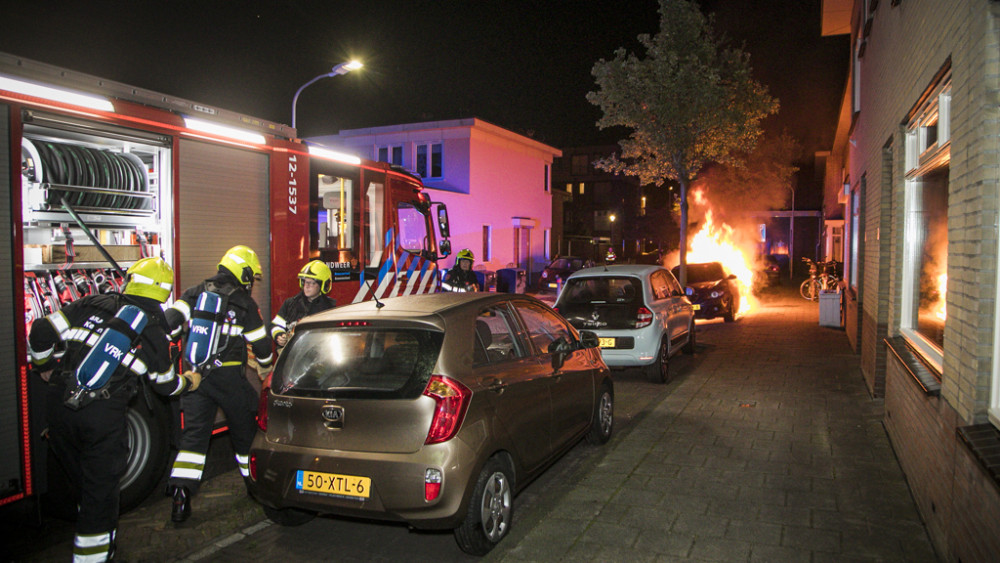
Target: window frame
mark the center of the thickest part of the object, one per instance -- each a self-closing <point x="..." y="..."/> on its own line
<point x="923" y="158"/>
<point x="392" y="151"/>
<point x="432" y="156"/>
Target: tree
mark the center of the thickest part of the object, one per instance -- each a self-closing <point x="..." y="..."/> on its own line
<point x="689" y="102"/>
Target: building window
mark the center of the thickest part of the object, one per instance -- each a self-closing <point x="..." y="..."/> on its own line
<point x="545" y="178"/>
<point x="391" y="154"/>
<point x="579" y="164"/>
<point x="547" y="243"/>
<point x="581" y="186"/>
<point x="856" y="75"/>
<point x="854" y="263"/>
<point x="429" y="160"/>
<point x="569" y="188"/>
<point x="925" y="238"/>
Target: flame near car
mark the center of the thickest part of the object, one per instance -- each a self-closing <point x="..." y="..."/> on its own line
<point x="720" y="243"/>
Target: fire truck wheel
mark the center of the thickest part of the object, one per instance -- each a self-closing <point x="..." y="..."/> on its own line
<point x="148" y="460"/>
<point x="149" y="449"/>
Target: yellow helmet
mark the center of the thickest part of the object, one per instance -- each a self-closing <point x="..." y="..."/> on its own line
<point x="150" y="277"/>
<point x="465" y="254"/>
<point x="242" y="262"/>
<point x="319" y="271"/>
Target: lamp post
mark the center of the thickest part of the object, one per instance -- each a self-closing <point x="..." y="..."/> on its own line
<point x="611" y="234"/>
<point x="791" y="236"/>
<point x="342" y="68"/>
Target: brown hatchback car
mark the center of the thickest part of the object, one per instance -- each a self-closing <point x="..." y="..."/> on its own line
<point x="433" y="410"/>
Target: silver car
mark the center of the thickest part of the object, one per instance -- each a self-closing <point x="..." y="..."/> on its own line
<point x="434" y="410"/>
<point x="639" y="313"/>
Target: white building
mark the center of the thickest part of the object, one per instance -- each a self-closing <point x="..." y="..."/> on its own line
<point x="495" y="183"/>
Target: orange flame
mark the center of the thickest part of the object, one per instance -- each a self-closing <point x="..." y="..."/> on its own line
<point x="718" y="244"/>
<point x="942" y="306"/>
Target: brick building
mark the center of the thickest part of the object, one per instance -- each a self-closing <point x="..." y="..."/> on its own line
<point x="916" y="166"/>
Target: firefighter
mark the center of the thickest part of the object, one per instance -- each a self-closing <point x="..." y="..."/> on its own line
<point x="224" y="384"/>
<point x="90" y="440"/>
<point x="315" y="280"/>
<point x="461" y="277"/>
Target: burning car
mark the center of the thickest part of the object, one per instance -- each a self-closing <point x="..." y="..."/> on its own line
<point x="712" y="290"/>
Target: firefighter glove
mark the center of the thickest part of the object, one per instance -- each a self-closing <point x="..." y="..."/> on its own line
<point x="193" y="380"/>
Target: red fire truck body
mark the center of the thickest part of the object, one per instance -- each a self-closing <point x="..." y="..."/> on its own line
<point x="152" y="175"/>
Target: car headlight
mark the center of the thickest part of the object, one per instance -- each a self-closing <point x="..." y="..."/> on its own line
<point x="716" y="294"/>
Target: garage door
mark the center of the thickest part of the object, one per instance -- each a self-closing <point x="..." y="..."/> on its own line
<point x="223" y="202"/>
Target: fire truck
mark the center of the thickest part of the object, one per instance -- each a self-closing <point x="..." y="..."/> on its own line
<point x="99" y="174"/>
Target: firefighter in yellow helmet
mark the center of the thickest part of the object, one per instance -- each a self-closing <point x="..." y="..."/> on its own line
<point x="461" y="277"/>
<point x="86" y="419"/>
<point x="315" y="280"/>
<point x="221" y="335"/>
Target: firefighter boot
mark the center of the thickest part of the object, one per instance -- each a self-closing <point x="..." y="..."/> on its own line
<point x="182" y="504"/>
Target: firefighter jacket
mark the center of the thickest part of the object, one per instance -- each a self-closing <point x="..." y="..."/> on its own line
<point x="69" y="334"/>
<point x="457" y="278"/>
<point x="242" y="322"/>
<point x="297" y="307"/>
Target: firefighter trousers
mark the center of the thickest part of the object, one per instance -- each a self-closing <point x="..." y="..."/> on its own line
<point x="226" y="388"/>
<point x="92" y="446"/>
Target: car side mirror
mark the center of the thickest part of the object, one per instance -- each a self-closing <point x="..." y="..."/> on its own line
<point x="588" y="339"/>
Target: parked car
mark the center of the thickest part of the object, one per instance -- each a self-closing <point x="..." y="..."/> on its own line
<point x="713" y="291"/>
<point x="639" y="313"/>
<point x="432" y="409"/>
<point x="558" y="270"/>
<point x="766" y="272"/>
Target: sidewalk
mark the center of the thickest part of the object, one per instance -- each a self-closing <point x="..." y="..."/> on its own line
<point x="769" y="450"/>
<point x="766" y="448"/>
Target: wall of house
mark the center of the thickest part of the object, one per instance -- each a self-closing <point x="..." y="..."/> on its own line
<point x="507" y="181"/>
<point x="907" y="46"/>
<point x="490" y="177"/>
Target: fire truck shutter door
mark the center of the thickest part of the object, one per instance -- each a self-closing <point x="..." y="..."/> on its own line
<point x="223" y="202"/>
<point x="10" y="430"/>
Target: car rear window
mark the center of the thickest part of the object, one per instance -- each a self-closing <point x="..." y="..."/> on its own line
<point x="358" y="362"/>
<point x="604" y="289"/>
<point x="702" y="272"/>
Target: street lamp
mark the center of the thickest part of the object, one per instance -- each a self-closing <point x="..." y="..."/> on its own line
<point x="342" y="68"/>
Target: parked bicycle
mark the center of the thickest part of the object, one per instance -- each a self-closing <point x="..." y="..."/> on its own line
<point x="822" y="276"/>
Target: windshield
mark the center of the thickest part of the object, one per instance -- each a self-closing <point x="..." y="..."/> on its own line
<point x="605" y="289"/>
<point x="358" y="362"/>
<point x="698" y="273"/>
<point x="566" y="264"/>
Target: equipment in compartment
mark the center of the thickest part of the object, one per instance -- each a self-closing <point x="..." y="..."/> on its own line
<point x="120" y="178"/>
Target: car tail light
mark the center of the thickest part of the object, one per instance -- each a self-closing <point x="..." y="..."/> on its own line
<point x="432" y="484"/>
<point x="452" y="400"/>
<point x="262" y="405"/>
<point x="253" y="466"/>
<point x="644" y="318"/>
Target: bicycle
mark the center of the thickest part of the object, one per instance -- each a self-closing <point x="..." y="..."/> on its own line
<point x="819" y="280"/>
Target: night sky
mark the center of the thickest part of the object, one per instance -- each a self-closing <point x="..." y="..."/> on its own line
<point x="522" y="65"/>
